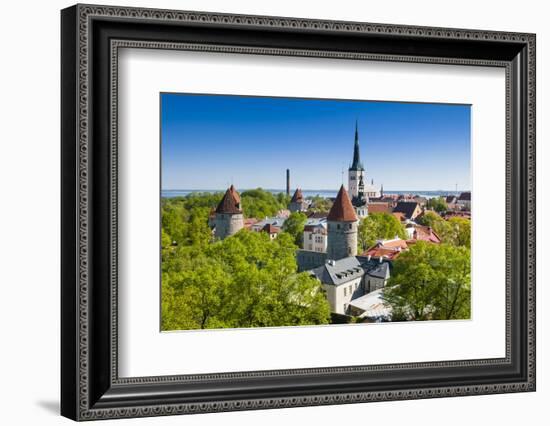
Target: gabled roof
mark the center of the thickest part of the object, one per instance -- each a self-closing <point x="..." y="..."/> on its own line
<point x="230" y="203"/>
<point x="297" y="197"/>
<point x="450" y="199"/>
<point x="271" y="229"/>
<point x="406" y="207"/>
<point x="342" y="210"/>
<point x="465" y="196"/>
<point x="425" y="233"/>
<point x="349" y="268"/>
<point x="379" y="207"/>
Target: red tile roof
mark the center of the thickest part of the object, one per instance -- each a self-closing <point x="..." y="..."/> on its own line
<point x="425" y="233"/>
<point x="271" y="229"/>
<point x="230" y="203"/>
<point x="342" y="210"/>
<point x="379" y="207"/>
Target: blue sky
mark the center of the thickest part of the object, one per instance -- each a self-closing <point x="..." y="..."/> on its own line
<point x="211" y="141"/>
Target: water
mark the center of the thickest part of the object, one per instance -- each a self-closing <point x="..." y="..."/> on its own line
<point x="325" y="193"/>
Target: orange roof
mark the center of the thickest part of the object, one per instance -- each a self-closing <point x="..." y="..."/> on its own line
<point x="342" y="210"/>
<point x="380" y="251"/>
<point x="230" y="203"/>
<point x="425" y="233"/>
<point x="398" y="242"/>
<point x="379" y="207"/>
<point x="399" y="216"/>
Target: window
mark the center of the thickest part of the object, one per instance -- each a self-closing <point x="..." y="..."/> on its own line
<point x="345" y="291"/>
<point x="338" y="226"/>
<point x="310" y="236"/>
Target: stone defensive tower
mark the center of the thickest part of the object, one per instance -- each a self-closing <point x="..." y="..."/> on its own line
<point x="342" y="228"/>
<point x="229" y="215"/>
<point x="297" y="203"/>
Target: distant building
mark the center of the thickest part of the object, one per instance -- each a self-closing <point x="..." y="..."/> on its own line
<point x="379" y="207"/>
<point x="275" y="221"/>
<point x="315" y="237"/>
<point x="228" y="218"/>
<point x="298" y="203"/>
<point x="271" y="230"/>
<point x="422" y="233"/>
<point x="465" y="200"/>
<point x="358" y="190"/>
<point x="387" y="249"/>
<point x="410" y="209"/>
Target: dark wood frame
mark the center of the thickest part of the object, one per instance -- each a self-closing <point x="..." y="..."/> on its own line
<point x="90" y="386"/>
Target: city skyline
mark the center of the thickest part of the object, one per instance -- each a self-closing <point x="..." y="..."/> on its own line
<point x="212" y="141"/>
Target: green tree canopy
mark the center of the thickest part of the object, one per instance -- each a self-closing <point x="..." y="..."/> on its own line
<point x="455" y="231"/>
<point x="320" y="204"/>
<point x="294" y="225"/>
<point x="259" y="203"/>
<point x="430" y="281"/>
<point x="246" y="280"/>
<point x="378" y="226"/>
<point x="437" y="203"/>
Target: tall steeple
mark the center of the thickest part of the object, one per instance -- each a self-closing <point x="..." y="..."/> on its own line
<point x="356" y="165"/>
<point x="356" y="171"/>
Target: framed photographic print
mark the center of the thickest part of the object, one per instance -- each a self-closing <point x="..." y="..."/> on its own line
<point x="263" y="212"/>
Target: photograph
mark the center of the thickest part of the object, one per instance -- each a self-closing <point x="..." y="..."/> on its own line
<point x="279" y="212"/>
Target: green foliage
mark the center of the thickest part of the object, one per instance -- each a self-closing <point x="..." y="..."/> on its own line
<point x="320" y="204"/>
<point x="245" y="280"/>
<point x="430" y="281"/>
<point x="294" y="225"/>
<point x="378" y="226"/>
<point x="259" y="203"/>
<point x="437" y="203"/>
<point x="455" y="231"/>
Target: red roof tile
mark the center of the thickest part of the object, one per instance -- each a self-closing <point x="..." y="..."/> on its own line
<point x="342" y="210"/>
<point x="271" y="229"/>
<point x="230" y="203"/>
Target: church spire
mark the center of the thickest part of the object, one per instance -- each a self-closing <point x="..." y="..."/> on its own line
<point x="356" y="165"/>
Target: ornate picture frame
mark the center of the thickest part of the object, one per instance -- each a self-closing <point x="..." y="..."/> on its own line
<point x="90" y="38"/>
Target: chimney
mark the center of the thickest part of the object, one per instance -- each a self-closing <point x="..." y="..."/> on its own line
<point x="288" y="182"/>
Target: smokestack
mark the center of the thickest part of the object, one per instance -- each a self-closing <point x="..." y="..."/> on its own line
<point x="288" y="182"/>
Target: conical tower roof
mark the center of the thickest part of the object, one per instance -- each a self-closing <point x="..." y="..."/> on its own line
<point x="342" y="210"/>
<point x="298" y="197"/>
<point x="356" y="165"/>
<point x="230" y="203"/>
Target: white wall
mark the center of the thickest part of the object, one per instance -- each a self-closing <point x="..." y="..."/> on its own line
<point x="29" y="222"/>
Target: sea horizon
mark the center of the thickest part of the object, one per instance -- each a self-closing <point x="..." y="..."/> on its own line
<point x="326" y="193"/>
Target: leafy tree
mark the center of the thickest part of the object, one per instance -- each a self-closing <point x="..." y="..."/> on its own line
<point x="259" y="203"/>
<point x="245" y="280"/>
<point x="437" y="203"/>
<point x="320" y="204"/>
<point x="429" y="218"/>
<point x="455" y="231"/>
<point x="430" y="281"/>
<point x="294" y="225"/>
<point x="378" y="226"/>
